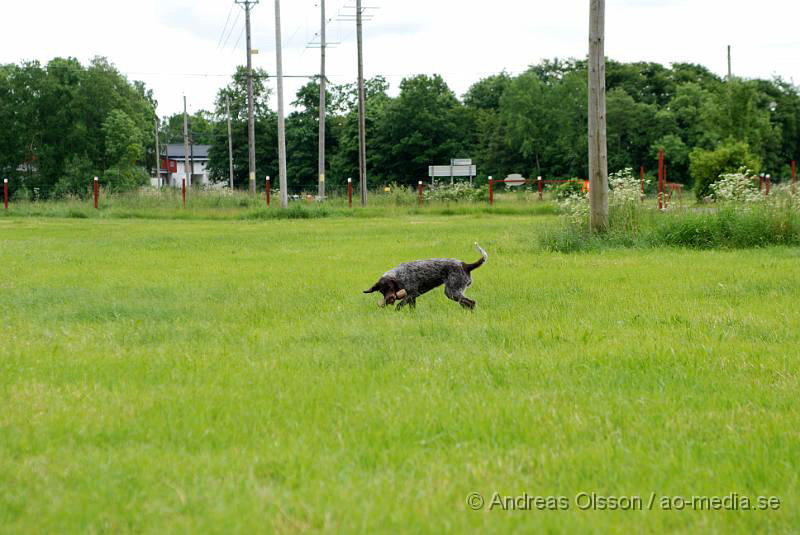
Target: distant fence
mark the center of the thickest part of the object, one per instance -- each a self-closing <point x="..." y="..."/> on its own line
<point x="540" y="184"/>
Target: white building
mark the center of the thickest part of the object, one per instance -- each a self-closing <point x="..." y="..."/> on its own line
<point x="173" y="170"/>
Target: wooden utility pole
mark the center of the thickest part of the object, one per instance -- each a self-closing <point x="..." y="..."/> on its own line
<point x="281" y="122"/>
<point x="729" y="62"/>
<point x="158" y="158"/>
<point x="251" y="132"/>
<point x="321" y="189"/>
<point x="191" y="155"/>
<point x="598" y="149"/>
<point x="185" y="143"/>
<point x="362" y="143"/>
<point x="230" y="143"/>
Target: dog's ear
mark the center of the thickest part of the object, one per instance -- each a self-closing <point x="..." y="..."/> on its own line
<point x="373" y="289"/>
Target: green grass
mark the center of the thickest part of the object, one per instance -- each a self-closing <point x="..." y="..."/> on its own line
<point x="230" y="377"/>
<point x="223" y="205"/>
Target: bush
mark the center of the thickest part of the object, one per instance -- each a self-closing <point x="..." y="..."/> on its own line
<point x="706" y="166"/>
<point x="567" y="189"/>
<point x="459" y="192"/>
<point x="77" y="178"/>
<point x="124" y="178"/>
<point x="736" y="187"/>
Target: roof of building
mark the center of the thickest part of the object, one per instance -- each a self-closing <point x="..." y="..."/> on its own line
<point x="175" y="150"/>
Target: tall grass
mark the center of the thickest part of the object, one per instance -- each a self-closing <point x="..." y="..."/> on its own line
<point x="729" y="225"/>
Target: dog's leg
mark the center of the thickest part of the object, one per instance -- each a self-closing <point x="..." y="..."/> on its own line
<point x="410" y="300"/>
<point x="454" y="289"/>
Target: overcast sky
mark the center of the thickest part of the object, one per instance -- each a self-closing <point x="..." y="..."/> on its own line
<point x="178" y="47"/>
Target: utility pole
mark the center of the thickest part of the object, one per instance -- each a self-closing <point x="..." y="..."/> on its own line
<point x="185" y="143"/>
<point x="251" y="132"/>
<point x="230" y="143"/>
<point x="158" y="158"/>
<point x="191" y="155"/>
<point x="598" y="148"/>
<point x="321" y="191"/>
<point x="281" y="123"/>
<point x="362" y="143"/>
<point x="729" y="62"/>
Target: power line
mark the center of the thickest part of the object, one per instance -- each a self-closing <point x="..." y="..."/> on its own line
<point x="216" y="75"/>
<point x="233" y="50"/>
<point x="238" y="14"/>
<point x="225" y="26"/>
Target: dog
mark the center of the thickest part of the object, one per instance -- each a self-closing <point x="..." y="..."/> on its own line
<point x="408" y="281"/>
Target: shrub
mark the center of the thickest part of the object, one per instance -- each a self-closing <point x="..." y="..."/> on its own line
<point x="736" y="187"/>
<point x="707" y="166"/>
<point x="459" y="192"/>
<point x="78" y="174"/>
<point x="566" y="189"/>
<point x="124" y="178"/>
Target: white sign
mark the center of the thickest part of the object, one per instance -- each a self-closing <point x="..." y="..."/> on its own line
<point x="514" y="180"/>
<point x="452" y="170"/>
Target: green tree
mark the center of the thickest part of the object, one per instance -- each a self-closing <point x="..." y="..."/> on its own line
<point x="124" y="140"/>
<point x="421" y="127"/>
<point x="707" y="165"/>
<point x="545" y="122"/>
<point x="266" y="131"/>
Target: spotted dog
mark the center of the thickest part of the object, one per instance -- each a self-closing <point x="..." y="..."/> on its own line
<point x="408" y="281"/>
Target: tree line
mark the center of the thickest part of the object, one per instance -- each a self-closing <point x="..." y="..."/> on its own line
<point x="62" y="122"/>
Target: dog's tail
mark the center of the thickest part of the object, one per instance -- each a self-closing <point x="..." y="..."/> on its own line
<point x="480" y="262"/>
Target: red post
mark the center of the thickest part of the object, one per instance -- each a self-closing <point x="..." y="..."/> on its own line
<point x="350" y="192"/>
<point x="641" y="179"/>
<point x="539" y="180"/>
<point x="267" y="191"/>
<point x="183" y="191"/>
<point x="491" y="191"/>
<point x="794" y="177"/>
<point x="660" y="179"/>
<point x="5" y="193"/>
<point x="419" y="192"/>
<point x="96" y="192"/>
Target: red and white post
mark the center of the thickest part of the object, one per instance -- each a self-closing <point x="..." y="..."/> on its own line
<point x="5" y="194"/>
<point x="766" y="191"/>
<point x="419" y="194"/>
<point x="491" y="191"/>
<point x="267" y="186"/>
<point x="183" y="192"/>
<point x="539" y="181"/>
<point x="350" y="192"/>
<point x="660" y="179"/>
<point x="96" y="192"/>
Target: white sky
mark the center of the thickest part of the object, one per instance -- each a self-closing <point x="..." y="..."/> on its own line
<point x="167" y="43"/>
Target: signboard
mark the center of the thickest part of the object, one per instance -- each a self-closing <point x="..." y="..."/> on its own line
<point x="514" y="179"/>
<point x="461" y="161"/>
<point x="452" y="170"/>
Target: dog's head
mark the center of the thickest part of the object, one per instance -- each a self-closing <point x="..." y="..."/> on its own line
<point x="389" y="288"/>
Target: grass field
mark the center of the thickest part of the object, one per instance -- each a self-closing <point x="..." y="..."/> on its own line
<point x="167" y="376"/>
